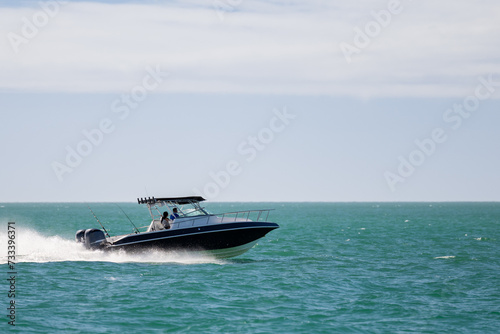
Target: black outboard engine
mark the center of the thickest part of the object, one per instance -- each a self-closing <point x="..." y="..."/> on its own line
<point x="92" y="238"/>
<point x="80" y="236"/>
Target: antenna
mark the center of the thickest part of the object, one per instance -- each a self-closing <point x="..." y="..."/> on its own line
<point x="135" y="227"/>
<point x="98" y="221"/>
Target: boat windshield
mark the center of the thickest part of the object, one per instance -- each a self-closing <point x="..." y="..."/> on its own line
<point x="192" y="212"/>
<point x="181" y="206"/>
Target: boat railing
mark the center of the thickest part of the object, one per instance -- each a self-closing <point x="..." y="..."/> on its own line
<point x="228" y="217"/>
<point x="248" y="215"/>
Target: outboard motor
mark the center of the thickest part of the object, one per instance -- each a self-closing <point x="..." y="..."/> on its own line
<point x="93" y="238"/>
<point x="80" y="236"/>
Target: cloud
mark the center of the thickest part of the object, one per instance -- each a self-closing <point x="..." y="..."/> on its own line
<point x="427" y="49"/>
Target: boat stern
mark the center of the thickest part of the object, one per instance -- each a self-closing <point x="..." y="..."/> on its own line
<point x="91" y="238"/>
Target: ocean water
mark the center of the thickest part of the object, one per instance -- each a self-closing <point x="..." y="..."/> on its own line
<point x="330" y="268"/>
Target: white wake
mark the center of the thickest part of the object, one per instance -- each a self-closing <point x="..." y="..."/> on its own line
<point x="31" y="246"/>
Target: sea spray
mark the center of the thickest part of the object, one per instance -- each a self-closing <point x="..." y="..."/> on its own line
<point x="34" y="247"/>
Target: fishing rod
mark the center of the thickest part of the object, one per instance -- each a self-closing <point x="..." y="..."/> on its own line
<point x="98" y="221"/>
<point x="130" y="220"/>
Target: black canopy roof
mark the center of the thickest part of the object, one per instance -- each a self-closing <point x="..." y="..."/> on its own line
<point x="175" y="200"/>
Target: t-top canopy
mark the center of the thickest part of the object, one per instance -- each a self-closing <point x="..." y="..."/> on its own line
<point x="175" y="200"/>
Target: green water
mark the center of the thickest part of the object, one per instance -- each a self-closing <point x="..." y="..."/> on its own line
<point x="330" y="268"/>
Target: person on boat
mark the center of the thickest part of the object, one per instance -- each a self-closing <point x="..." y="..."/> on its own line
<point x="165" y="221"/>
<point x="174" y="215"/>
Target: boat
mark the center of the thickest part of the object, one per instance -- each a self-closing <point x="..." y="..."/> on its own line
<point x="191" y="229"/>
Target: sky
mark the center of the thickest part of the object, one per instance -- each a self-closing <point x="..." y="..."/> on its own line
<point x="246" y="100"/>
